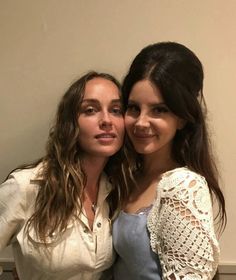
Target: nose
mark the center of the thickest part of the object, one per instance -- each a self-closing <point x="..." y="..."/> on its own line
<point x="105" y="121"/>
<point x="142" y="122"/>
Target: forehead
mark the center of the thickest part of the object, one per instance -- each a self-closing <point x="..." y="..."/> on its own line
<point x="145" y="91"/>
<point x="98" y="88"/>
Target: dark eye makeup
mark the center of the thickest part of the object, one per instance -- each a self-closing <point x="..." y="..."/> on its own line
<point x="159" y="109"/>
<point x="155" y="109"/>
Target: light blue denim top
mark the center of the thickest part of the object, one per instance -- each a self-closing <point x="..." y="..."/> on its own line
<point x="135" y="258"/>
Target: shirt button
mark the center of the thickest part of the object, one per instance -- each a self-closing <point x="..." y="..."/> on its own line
<point x="85" y="230"/>
<point x="99" y="224"/>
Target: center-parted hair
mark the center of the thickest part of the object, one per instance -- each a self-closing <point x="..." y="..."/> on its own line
<point x="62" y="179"/>
<point x="178" y="73"/>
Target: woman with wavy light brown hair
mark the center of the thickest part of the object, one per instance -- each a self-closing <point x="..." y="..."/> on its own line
<point x="54" y="212"/>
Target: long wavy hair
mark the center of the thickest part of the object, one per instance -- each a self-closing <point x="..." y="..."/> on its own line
<point x="178" y="74"/>
<point x="61" y="178"/>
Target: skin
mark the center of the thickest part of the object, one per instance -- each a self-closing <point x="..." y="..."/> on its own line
<point x="100" y="120"/>
<point x="151" y="127"/>
<point x="101" y="133"/>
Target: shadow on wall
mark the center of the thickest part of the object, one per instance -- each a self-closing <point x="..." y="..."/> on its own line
<point x="25" y="146"/>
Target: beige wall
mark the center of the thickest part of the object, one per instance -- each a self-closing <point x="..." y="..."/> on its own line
<point x="46" y="44"/>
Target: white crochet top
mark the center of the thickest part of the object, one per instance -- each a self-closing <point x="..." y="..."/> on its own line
<point x="181" y="227"/>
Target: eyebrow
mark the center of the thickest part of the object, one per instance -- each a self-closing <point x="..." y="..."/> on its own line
<point x="150" y="104"/>
<point x="92" y="100"/>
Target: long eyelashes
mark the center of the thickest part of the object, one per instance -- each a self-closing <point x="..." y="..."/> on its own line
<point x="88" y="110"/>
<point x="92" y="110"/>
<point x="160" y="109"/>
<point x="155" y="110"/>
<point x="132" y="108"/>
<point x="117" y="110"/>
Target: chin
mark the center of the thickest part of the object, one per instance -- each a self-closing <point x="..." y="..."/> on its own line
<point x="143" y="150"/>
<point x="108" y="152"/>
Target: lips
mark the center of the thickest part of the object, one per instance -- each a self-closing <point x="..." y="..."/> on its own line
<point x="105" y="136"/>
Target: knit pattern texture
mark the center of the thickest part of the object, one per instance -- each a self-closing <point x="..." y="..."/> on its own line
<point x="181" y="227"/>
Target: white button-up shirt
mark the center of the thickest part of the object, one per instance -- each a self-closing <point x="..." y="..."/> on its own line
<point x="77" y="253"/>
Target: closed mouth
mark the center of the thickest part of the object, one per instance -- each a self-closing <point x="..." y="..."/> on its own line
<point x="105" y="135"/>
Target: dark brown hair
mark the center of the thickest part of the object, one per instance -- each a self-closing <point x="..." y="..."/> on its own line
<point x="178" y="73"/>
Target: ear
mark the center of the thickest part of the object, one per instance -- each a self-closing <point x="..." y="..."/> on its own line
<point x="181" y="124"/>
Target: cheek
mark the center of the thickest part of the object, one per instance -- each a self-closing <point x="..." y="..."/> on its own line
<point x="87" y="124"/>
<point x="83" y="130"/>
<point x="86" y="131"/>
<point x="118" y="122"/>
<point x="169" y="129"/>
<point x="128" y="122"/>
<point x="121" y="128"/>
<point x="129" y="127"/>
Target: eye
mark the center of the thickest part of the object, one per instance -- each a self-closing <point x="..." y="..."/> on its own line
<point x="117" y="110"/>
<point x="90" y="110"/>
<point x="132" y="109"/>
<point x="157" y="110"/>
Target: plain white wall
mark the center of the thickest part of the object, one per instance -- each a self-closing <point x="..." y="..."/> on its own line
<point x="47" y="44"/>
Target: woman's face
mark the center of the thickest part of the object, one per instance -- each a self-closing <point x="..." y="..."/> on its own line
<point x="100" y="119"/>
<point x="150" y="125"/>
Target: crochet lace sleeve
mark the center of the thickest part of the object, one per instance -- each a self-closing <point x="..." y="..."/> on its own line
<point x="181" y="228"/>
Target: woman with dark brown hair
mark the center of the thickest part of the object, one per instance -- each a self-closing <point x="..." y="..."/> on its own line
<point x="54" y="212"/>
<point x="165" y="229"/>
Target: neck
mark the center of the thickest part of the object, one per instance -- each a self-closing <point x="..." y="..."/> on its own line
<point x="93" y="167"/>
<point x="155" y="165"/>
